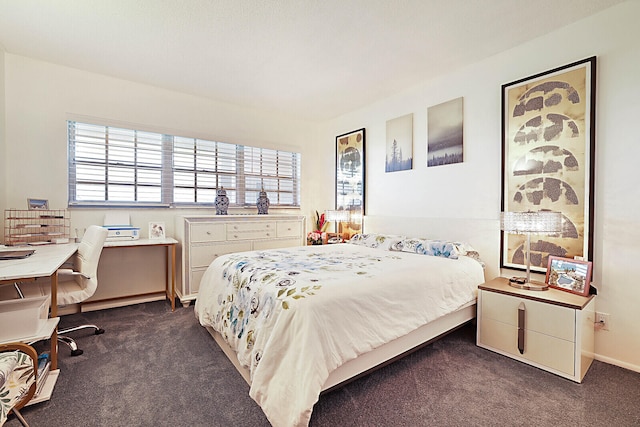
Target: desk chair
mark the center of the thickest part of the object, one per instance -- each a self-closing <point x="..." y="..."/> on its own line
<point x="76" y="284"/>
<point x="18" y="367"/>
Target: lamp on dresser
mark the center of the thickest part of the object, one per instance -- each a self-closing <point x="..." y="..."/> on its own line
<point x="528" y="223"/>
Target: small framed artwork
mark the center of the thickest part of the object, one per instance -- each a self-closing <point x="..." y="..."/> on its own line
<point x="156" y="230"/>
<point x="37" y="204"/>
<point x="399" y="144"/>
<point x="569" y="275"/>
<point x="445" y="133"/>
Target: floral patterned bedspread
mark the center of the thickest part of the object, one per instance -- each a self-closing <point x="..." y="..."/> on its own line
<point x="294" y="315"/>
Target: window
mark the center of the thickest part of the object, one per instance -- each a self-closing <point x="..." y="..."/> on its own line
<point x="112" y="166"/>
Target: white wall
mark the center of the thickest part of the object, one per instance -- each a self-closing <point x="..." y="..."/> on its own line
<point x="40" y="97"/>
<point x="3" y="155"/>
<point x="472" y="189"/>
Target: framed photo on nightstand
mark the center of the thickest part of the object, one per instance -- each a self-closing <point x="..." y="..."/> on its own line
<point x="569" y="275"/>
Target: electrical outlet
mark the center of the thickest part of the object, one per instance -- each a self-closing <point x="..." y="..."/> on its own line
<point x="603" y="320"/>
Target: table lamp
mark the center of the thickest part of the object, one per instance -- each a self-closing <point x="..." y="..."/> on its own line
<point x="337" y="216"/>
<point x="541" y="222"/>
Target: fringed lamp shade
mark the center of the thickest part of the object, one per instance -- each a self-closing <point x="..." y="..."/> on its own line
<point x="337" y="216"/>
<point x="541" y="222"/>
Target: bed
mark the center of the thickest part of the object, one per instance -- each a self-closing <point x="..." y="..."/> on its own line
<point x="300" y="321"/>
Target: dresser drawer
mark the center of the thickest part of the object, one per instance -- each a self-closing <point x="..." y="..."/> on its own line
<point x="289" y="229"/>
<point x="203" y="255"/>
<point x="251" y="231"/>
<point x="209" y="232"/>
<point x="548" y="319"/>
<point x="261" y="245"/>
<point x="195" y="278"/>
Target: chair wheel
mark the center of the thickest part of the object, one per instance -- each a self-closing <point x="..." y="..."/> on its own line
<point x="99" y="331"/>
<point x="77" y="352"/>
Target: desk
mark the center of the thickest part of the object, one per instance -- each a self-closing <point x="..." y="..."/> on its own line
<point x="45" y="262"/>
<point x="103" y="294"/>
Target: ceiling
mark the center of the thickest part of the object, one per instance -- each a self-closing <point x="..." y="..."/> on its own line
<point x="311" y="59"/>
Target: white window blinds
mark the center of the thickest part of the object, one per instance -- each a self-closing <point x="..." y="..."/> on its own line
<point x="111" y="166"/>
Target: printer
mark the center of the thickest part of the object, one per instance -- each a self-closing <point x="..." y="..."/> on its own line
<point x="119" y="227"/>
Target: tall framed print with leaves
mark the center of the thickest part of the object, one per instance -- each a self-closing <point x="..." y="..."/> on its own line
<point x="548" y="147"/>
<point x="350" y="178"/>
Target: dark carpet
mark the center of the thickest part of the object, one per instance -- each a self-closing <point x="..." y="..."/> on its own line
<point x="154" y="367"/>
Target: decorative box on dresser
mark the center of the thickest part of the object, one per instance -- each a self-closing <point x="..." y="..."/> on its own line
<point x="204" y="238"/>
<point x="552" y="330"/>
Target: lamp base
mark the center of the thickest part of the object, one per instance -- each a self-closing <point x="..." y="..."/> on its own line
<point x="521" y="283"/>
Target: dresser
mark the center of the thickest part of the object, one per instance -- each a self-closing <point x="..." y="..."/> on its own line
<point x="552" y="330"/>
<point x="204" y="238"/>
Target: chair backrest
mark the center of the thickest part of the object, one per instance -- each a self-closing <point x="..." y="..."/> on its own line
<point x="18" y="367"/>
<point x="86" y="260"/>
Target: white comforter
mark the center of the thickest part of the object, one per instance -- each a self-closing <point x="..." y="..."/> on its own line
<point x="295" y="315"/>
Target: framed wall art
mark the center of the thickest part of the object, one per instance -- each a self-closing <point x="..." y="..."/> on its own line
<point x="569" y="275"/>
<point x="548" y="147"/>
<point x="445" y="133"/>
<point x="350" y="179"/>
<point x="399" y="144"/>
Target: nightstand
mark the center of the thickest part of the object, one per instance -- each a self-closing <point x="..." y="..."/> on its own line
<point x="551" y="330"/>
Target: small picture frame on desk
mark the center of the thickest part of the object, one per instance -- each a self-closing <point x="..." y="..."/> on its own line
<point x="156" y="230"/>
<point x="37" y="204"/>
<point x="570" y="275"/>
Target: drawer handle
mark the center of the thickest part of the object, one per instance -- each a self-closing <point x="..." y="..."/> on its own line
<point x="208" y="233"/>
<point x="521" y="326"/>
<point x="235" y="236"/>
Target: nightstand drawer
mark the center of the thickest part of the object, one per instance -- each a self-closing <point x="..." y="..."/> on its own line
<point x="548" y="319"/>
<point x="545" y="350"/>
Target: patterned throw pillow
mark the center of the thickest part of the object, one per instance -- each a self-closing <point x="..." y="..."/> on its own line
<point x="385" y="242"/>
<point x="441" y="248"/>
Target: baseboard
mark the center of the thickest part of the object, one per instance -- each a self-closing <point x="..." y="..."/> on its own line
<point x="121" y="302"/>
<point x="617" y="362"/>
